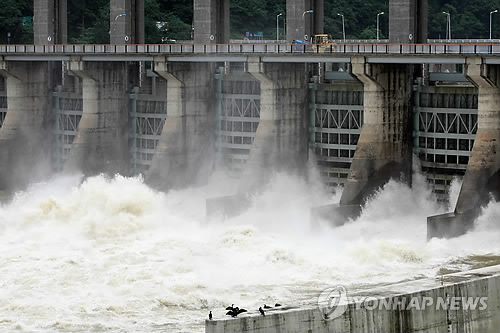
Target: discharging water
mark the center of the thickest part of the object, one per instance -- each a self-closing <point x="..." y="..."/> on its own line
<point x="114" y="255"/>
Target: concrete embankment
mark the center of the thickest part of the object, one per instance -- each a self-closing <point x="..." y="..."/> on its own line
<point x="459" y="302"/>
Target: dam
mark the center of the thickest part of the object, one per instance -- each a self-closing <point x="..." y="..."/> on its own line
<point x="135" y="168"/>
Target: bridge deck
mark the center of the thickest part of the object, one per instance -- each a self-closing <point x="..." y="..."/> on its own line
<point x="377" y="52"/>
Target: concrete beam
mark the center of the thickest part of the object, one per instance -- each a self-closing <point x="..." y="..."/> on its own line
<point x="408" y="20"/>
<point x="300" y="23"/>
<point x="126" y="21"/>
<point x="482" y="177"/>
<point x="50" y="22"/>
<point x="101" y="144"/>
<point x="211" y="21"/>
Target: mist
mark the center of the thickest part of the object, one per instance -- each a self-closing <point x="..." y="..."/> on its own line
<point x="110" y="253"/>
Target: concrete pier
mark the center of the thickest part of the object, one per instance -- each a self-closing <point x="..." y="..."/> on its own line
<point x="412" y="310"/>
<point x="185" y="152"/>
<point x="482" y="177"/>
<point x="384" y="148"/>
<point x="281" y="139"/>
<point x="24" y="142"/>
<point x="101" y="144"/>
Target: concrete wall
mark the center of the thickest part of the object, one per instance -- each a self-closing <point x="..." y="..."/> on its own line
<point x="478" y="283"/>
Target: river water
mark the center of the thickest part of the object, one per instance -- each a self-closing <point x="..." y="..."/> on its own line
<point x="111" y="254"/>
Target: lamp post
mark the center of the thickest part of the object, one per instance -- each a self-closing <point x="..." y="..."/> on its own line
<point x="343" y="26"/>
<point x="491" y="14"/>
<point x="310" y="11"/>
<point x="448" y="26"/>
<point x="381" y="13"/>
<point x="278" y="26"/>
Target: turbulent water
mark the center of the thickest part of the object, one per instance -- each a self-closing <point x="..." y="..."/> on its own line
<point x="114" y="255"/>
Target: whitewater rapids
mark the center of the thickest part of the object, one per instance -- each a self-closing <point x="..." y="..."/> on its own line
<point x="111" y="254"/>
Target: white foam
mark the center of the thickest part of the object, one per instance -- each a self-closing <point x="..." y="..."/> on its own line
<point x="112" y="253"/>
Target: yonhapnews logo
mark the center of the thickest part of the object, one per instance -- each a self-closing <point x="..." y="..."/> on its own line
<point x="333" y="302"/>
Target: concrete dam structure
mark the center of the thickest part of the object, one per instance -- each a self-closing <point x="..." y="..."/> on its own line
<point x="361" y="113"/>
<point x="176" y="112"/>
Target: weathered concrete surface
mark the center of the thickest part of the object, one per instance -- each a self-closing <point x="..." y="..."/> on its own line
<point x="26" y="134"/>
<point x="409" y="316"/>
<point x="211" y="21"/>
<point x="128" y="28"/>
<point x="50" y="22"/>
<point x="482" y="177"/>
<point x="281" y="139"/>
<point x="384" y="148"/>
<point x="408" y="21"/>
<point x="185" y="152"/>
<point x="101" y="144"/>
<point x="299" y="24"/>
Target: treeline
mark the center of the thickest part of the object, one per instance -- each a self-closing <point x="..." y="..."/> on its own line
<point x="88" y="20"/>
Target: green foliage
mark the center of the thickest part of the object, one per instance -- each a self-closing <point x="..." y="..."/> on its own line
<point x="11" y="21"/>
<point x="88" y="20"/>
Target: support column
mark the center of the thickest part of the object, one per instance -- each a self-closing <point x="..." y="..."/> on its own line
<point x="300" y="23"/>
<point x="50" y="22"/>
<point x="482" y="177"/>
<point x="126" y="21"/>
<point x="25" y="137"/>
<point x="211" y="21"/>
<point x="185" y="153"/>
<point x="101" y="144"/>
<point x="384" y="148"/>
<point x="408" y="21"/>
<point x="280" y="142"/>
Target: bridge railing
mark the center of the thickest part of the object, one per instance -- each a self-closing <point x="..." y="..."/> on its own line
<point x="342" y="48"/>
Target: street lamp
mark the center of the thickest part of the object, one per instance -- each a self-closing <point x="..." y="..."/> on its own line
<point x="491" y="13"/>
<point x="381" y="13"/>
<point x="310" y="11"/>
<point x="448" y="26"/>
<point x="278" y="26"/>
<point x="343" y="25"/>
<point x="120" y="15"/>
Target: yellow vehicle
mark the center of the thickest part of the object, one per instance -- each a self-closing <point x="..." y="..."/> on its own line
<point x="323" y="40"/>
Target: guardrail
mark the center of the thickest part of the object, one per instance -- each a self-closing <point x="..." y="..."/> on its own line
<point x="341" y="48"/>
